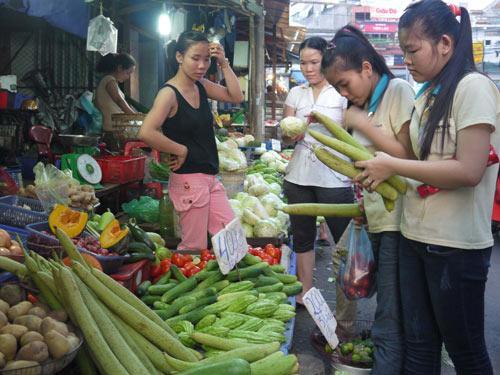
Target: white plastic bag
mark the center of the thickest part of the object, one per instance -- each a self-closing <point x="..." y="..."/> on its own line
<point x="102" y="35"/>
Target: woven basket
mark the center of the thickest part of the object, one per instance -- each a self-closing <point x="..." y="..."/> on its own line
<point x="126" y="126"/>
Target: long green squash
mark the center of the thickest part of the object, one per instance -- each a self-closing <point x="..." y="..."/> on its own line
<point x="324" y="209"/>
<point x="338" y="131"/>
<point x="356" y="154"/>
<point x="135" y="318"/>
<point x="348" y="169"/>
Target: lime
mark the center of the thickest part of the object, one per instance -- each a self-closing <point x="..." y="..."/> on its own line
<point x="356" y="358"/>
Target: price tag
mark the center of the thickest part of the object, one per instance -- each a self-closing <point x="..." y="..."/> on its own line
<point x="230" y="246"/>
<point x="322" y="315"/>
<point x="276" y="145"/>
<point x="263" y="145"/>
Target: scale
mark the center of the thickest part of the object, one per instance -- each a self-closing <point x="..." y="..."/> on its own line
<point x="83" y="166"/>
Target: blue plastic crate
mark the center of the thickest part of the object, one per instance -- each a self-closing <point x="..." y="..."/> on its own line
<point x="43" y="244"/>
<point x="13" y="232"/>
<point x="13" y="214"/>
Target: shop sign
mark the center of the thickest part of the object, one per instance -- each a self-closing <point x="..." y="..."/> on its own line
<point x="478" y="51"/>
<point x="379" y="27"/>
<point x="322" y="315"/>
<point x="384" y="13"/>
<point x="230" y="245"/>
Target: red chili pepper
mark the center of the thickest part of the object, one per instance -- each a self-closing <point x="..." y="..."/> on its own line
<point x="32" y="298"/>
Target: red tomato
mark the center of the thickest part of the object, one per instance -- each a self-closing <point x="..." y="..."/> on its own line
<point x="193" y="271"/>
<point x="268" y="246"/>
<point x="189" y="265"/>
<point x="205" y="254"/>
<point x="185" y="272"/>
<point x="165" y="265"/>
<point x="273" y="251"/>
<point x="274" y="261"/>
<point x="155" y="270"/>
<point x="212" y="256"/>
<point x="178" y="260"/>
<point x="188" y="258"/>
<point x="266" y="258"/>
<point x="202" y="264"/>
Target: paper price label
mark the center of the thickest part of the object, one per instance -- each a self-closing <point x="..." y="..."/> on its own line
<point x="230" y="246"/>
<point x="322" y="315"/>
<point x="276" y="145"/>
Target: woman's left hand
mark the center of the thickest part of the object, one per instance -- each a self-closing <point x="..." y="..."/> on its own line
<point x="355" y="118"/>
<point x="376" y="170"/>
<point x="216" y="50"/>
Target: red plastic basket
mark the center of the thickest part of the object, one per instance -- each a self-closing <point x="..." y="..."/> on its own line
<point x="121" y="169"/>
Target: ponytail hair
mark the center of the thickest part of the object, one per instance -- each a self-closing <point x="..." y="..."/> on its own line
<point x="434" y="18"/>
<point x="181" y="45"/>
<point x="110" y="62"/>
<point x="349" y="48"/>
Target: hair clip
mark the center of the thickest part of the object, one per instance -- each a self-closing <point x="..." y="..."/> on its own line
<point x="331" y="45"/>
<point x="455" y="9"/>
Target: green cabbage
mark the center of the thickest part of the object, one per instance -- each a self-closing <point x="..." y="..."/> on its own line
<point x="292" y="126"/>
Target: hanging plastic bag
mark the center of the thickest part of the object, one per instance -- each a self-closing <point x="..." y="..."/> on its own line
<point x="146" y="209"/>
<point x="52" y="185"/>
<point x="357" y="268"/>
<point x="102" y="35"/>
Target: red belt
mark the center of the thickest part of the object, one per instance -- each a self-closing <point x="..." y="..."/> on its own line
<point x="425" y="190"/>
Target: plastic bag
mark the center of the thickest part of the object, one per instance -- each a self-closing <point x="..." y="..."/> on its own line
<point x="146" y="209"/>
<point x="357" y="268"/>
<point x="102" y="35"/>
<point x="52" y="185"/>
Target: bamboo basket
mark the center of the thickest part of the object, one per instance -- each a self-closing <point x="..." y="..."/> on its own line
<point x="126" y="126"/>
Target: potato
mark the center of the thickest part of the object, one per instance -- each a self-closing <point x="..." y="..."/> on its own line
<point x="30" y="337"/>
<point x="16" y="330"/>
<point x="4" y="306"/>
<point x="34" y="351"/>
<point x="49" y="324"/>
<point x="3" y="319"/>
<point x="2" y="360"/>
<point x="57" y="343"/>
<point x="34" y="369"/>
<point x="5" y="252"/>
<point x="32" y="322"/>
<point x="43" y="306"/>
<point x="8" y="346"/>
<point x="37" y="311"/>
<point x="21" y="308"/>
<point x="59" y="315"/>
<point x="11" y="293"/>
<point x="74" y="341"/>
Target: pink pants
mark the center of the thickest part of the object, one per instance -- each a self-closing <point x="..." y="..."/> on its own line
<point x="202" y="205"/>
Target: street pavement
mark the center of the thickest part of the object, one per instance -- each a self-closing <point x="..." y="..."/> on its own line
<point x="312" y="363"/>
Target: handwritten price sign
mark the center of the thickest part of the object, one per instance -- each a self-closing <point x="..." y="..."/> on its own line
<point x="322" y="315"/>
<point x="230" y="246"/>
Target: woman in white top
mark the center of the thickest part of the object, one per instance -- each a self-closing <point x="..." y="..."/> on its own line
<point x="307" y="179"/>
<point x="109" y="99"/>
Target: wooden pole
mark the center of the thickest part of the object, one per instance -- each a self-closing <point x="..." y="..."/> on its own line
<point x="259" y="78"/>
<point x="275" y="61"/>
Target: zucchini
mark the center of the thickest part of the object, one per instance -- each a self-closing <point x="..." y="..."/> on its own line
<point x="149" y="299"/>
<point x="247" y="272"/>
<point x="219" y="285"/>
<point x="292" y="289"/>
<point x="193" y="316"/>
<point x="140" y="235"/>
<point x="266" y="280"/>
<point x="139" y="247"/>
<point x="142" y="289"/>
<point x="176" y="272"/>
<point x="278" y="287"/>
<point x="235" y="366"/>
<point x="283" y="277"/>
<point x="165" y="278"/>
<point x="278" y="268"/>
<point x="200" y="302"/>
<point x="183" y="287"/>
<point x="159" y="290"/>
<point x="210" y="280"/>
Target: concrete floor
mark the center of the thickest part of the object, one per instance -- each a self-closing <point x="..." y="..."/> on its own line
<point x="311" y="363"/>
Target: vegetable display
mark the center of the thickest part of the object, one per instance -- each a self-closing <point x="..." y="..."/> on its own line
<point x="70" y="221"/>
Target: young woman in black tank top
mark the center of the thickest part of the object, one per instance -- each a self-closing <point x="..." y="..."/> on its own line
<point x="180" y="124"/>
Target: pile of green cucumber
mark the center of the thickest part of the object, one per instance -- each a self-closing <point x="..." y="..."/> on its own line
<point x="250" y="304"/>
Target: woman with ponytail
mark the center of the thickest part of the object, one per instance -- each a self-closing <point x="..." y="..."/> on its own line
<point x="181" y="124"/>
<point x="379" y="115"/>
<point x="109" y="99"/>
<point x="446" y="236"/>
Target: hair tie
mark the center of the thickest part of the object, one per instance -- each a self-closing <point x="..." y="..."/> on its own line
<point x="455" y="9"/>
<point x="331" y="45"/>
